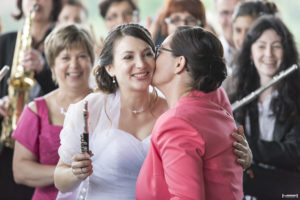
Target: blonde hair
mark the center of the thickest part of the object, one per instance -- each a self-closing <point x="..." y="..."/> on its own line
<point x="66" y="37"/>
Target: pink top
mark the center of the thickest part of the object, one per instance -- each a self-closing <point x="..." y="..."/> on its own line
<point x="35" y="133"/>
<point x="191" y="154"/>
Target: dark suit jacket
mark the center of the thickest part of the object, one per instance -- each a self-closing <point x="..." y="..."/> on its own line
<point x="283" y="154"/>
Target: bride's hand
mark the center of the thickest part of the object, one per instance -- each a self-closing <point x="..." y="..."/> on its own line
<point x="82" y="165"/>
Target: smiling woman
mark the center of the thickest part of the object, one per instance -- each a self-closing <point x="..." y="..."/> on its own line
<point x="135" y="60"/>
<point x="267" y="54"/>
<point x="272" y="120"/>
<point x="122" y="115"/>
<point x="69" y="52"/>
<point x="32" y="60"/>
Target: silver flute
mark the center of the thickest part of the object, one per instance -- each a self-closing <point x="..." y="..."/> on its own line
<point x="247" y="99"/>
<point x="84" y="137"/>
<point x="4" y="71"/>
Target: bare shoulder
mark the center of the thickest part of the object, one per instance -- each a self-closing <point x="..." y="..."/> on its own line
<point x="50" y="97"/>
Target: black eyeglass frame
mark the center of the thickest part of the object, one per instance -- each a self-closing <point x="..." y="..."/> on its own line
<point x="198" y="22"/>
<point x="127" y="14"/>
<point x="159" y="47"/>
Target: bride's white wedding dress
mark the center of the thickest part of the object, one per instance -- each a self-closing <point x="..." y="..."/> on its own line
<point x="118" y="155"/>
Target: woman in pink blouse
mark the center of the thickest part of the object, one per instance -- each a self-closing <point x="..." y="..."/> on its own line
<point x="190" y="154"/>
<point x="69" y="52"/>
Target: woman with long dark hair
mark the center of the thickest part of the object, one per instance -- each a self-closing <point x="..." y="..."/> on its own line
<point x="272" y="120"/>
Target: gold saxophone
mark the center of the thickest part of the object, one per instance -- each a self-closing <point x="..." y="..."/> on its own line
<point x="20" y="82"/>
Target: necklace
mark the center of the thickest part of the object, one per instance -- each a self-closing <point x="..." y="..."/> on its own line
<point x="137" y="111"/>
<point x="141" y="110"/>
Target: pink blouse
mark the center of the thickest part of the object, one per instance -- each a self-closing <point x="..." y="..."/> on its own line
<point x="191" y="154"/>
<point x="35" y="133"/>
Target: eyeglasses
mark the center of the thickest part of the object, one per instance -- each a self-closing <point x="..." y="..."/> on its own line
<point x="190" y="21"/>
<point x="127" y="15"/>
<point x="159" y="48"/>
<point x="226" y="13"/>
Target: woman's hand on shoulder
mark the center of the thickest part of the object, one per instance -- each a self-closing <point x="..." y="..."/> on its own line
<point x="242" y="149"/>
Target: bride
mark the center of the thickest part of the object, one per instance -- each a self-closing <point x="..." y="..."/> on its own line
<point x="121" y="115"/>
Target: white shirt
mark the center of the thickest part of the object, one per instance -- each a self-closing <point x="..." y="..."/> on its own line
<point x="266" y="118"/>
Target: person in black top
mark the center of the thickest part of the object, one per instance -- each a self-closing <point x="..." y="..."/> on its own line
<point x="271" y="121"/>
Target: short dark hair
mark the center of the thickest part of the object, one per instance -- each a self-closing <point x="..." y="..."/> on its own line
<point x="105" y="4"/>
<point x="57" y="5"/>
<point x="247" y="77"/>
<point x="204" y="54"/>
<point x="77" y="3"/>
<point x="254" y="9"/>
<point x="103" y="79"/>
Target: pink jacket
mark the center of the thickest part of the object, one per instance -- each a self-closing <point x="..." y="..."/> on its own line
<point x="191" y="154"/>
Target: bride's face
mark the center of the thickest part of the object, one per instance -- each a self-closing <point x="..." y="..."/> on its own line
<point x="133" y="63"/>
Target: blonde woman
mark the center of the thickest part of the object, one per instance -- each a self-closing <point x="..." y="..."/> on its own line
<point x="69" y="52"/>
